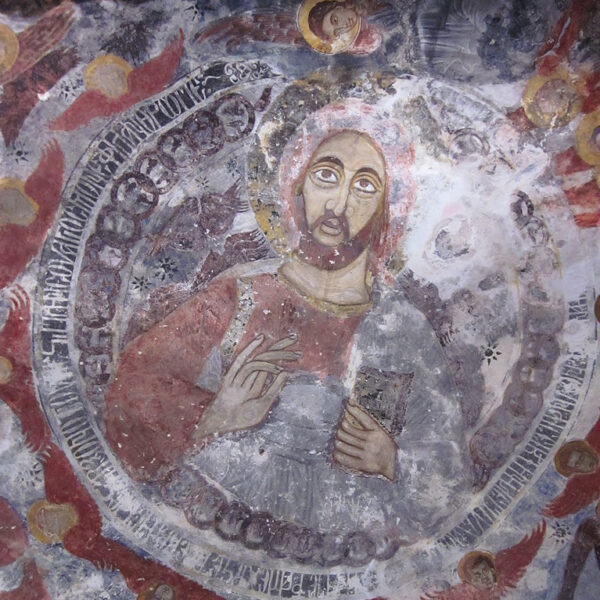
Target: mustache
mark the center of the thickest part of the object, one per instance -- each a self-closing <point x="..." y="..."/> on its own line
<point x="340" y="221"/>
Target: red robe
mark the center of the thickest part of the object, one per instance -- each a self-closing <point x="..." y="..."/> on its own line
<point x="154" y="403"/>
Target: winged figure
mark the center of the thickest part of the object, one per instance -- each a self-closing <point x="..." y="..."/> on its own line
<point x="239" y="248"/>
<point x="16" y="379"/>
<point x="136" y="85"/>
<point x="86" y="540"/>
<point x="328" y="26"/>
<point x="489" y="577"/>
<point x="32" y="585"/>
<point x="566" y="31"/>
<point x="21" y="95"/>
<point x="195" y="219"/>
<point x="578" y="460"/>
<point x="27" y="211"/>
<point x="36" y="41"/>
<point x="13" y="537"/>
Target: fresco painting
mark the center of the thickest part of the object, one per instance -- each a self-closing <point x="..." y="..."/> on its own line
<point x="299" y="299"/>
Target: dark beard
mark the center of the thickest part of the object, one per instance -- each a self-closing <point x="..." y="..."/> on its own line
<point x="331" y="258"/>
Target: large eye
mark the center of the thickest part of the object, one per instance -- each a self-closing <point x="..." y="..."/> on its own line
<point x="334" y="19"/>
<point x="364" y="185"/>
<point x="326" y="175"/>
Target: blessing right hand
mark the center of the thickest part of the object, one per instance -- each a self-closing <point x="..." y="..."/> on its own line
<point x="249" y="388"/>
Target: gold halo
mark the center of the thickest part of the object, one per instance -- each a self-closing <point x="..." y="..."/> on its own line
<point x="16" y="184"/>
<point x="11" y="43"/>
<point x="5" y="369"/>
<point x="72" y="518"/>
<point x="583" y="136"/>
<point x="574" y="444"/>
<point x="314" y="41"/>
<point x="89" y="80"/>
<point x="530" y="105"/>
<point x="468" y="559"/>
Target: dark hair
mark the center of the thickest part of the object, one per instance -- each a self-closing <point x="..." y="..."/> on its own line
<point x="317" y="14"/>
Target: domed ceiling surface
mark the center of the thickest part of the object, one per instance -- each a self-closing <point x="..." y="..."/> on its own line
<point x="299" y="299"/>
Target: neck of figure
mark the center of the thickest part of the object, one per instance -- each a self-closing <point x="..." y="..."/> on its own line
<point x="345" y="286"/>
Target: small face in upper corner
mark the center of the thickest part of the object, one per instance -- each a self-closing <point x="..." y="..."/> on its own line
<point x="334" y="21"/>
<point x="343" y="188"/>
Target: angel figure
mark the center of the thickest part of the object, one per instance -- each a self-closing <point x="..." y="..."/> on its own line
<point x="16" y="378"/>
<point x="30" y="64"/>
<point x="113" y="85"/>
<point x="327" y="26"/>
<point x="486" y="576"/>
<point x="587" y="538"/>
<point x="579" y="461"/>
<point x="20" y="52"/>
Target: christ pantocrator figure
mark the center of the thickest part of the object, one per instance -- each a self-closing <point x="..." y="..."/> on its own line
<point x="253" y="381"/>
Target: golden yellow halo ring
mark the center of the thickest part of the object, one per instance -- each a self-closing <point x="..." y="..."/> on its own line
<point x="9" y="183"/>
<point x="467" y="561"/>
<point x="70" y="519"/>
<point x="581" y="446"/>
<point x="314" y="41"/>
<point x="11" y="47"/>
<point x="536" y="116"/>
<point x="90" y="80"/>
<point x="586" y="148"/>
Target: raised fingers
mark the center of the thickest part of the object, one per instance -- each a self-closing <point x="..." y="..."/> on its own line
<point x="256" y="382"/>
<point x="278" y="355"/>
<point x="240" y="359"/>
<point x="255" y="365"/>
<point x="285" y="342"/>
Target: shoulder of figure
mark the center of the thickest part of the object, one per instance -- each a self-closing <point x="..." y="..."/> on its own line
<point x="251" y="270"/>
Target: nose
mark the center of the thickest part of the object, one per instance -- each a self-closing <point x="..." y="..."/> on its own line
<point x="338" y="202"/>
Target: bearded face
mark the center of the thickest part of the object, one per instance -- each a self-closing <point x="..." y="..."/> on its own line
<point x="341" y="200"/>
